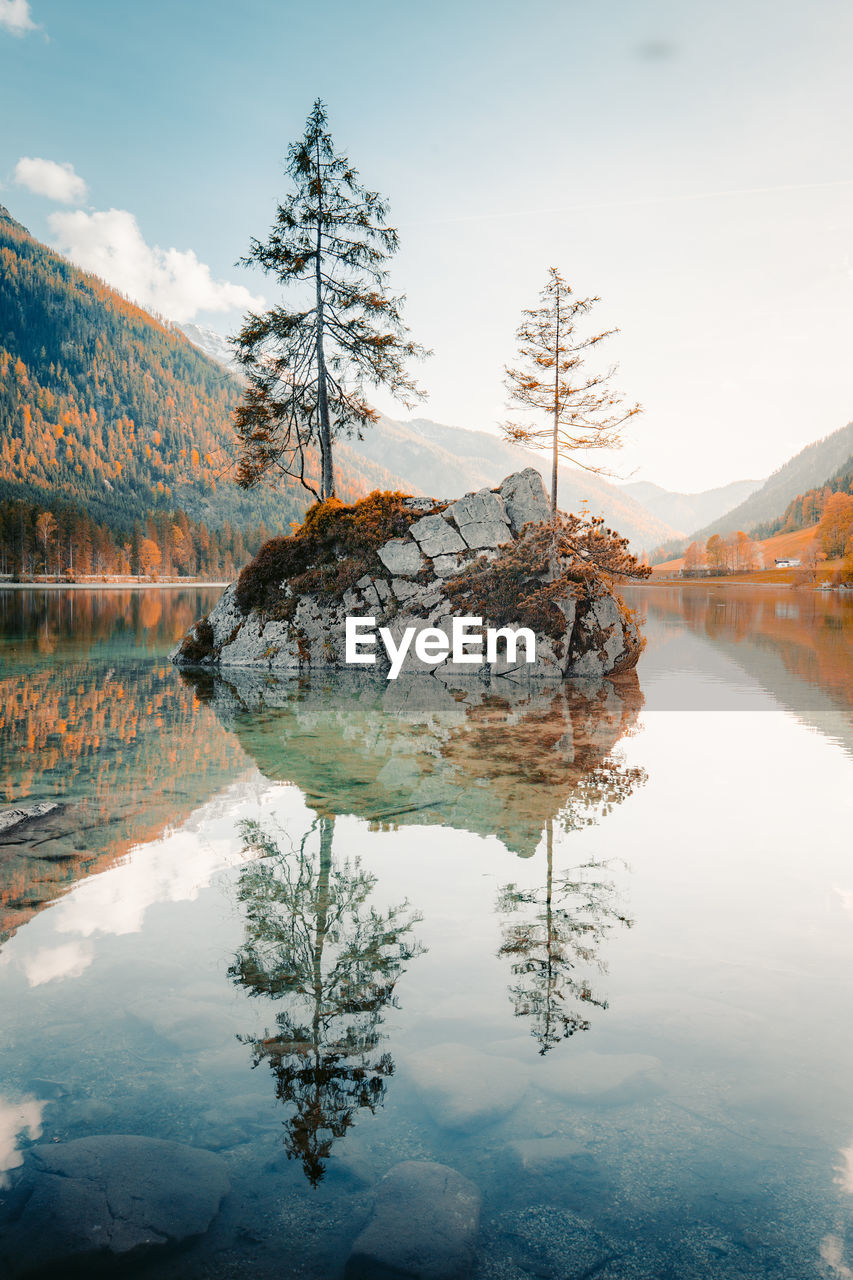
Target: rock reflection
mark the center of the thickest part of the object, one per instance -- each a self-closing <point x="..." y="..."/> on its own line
<point x="494" y="760"/>
<point x="316" y="946"/>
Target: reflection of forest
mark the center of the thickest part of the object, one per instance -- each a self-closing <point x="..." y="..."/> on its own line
<point x="34" y="624"/>
<point x="810" y="632"/>
<point x="320" y="951"/>
<point x="415" y="752"/>
<point x="124" y="751"/>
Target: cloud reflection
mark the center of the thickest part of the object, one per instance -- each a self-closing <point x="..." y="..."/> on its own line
<point x="17" y="1119"/>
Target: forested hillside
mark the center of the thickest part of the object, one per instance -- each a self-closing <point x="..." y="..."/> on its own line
<point x="761" y="511"/>
<point x="807" y="508"/>
<point x="113" y="420"/>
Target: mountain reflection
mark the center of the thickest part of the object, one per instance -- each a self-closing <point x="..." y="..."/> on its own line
<point x="416" y="752"/>
<point x="330" y="960"/>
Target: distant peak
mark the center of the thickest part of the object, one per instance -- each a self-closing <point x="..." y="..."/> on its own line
<point x="5" y="216"/>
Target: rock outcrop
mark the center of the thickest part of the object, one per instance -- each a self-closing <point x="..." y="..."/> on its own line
<point x="418" y="563"/>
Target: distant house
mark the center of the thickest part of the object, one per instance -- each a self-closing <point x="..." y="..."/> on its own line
<point x="787" y="564"/>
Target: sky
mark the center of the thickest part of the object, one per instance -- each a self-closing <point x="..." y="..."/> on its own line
<point x="689" y="163"/>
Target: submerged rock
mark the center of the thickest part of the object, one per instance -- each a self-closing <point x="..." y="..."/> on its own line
<point x="110" y="1196"/>
<point x="415" y="565"/>
<point x="613" y="1078"/>
<point x="465" y="1090"/>
<point x="11" y="819"/>
<point x="424" y="1226"/>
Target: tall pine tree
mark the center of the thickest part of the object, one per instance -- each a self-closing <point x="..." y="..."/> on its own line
<point x="580" y="408"/>
<point x="308" y="362"/>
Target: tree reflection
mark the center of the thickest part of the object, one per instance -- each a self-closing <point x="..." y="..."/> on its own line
<point x="553" y="946"/>
<point x="314" y="942"/>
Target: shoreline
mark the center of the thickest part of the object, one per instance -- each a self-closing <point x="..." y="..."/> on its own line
<point x="738" y="582"/>
<point x="106" y="586"/>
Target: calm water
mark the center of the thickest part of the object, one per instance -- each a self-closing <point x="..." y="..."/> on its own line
<point x="594" y="950"/>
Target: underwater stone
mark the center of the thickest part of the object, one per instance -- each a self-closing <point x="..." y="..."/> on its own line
<point x="106" y="1196"/>
<point x="612" y="1078"/>
<point x="424" y="1226"/>
<point x="10" y="818"/>
<point x="465" y="1090"/>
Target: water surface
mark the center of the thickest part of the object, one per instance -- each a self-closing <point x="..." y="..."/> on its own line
<point x="590" y="947"/>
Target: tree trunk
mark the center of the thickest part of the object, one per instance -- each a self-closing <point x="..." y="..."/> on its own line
<point x="321" y="918"/>
<point x="327" y="479"/>
<point x="556" y="416"/>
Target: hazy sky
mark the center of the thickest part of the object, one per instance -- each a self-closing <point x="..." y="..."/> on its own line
<point x="689" y="162"/>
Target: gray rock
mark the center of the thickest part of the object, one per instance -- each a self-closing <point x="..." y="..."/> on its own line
<point x="465" y="1090"/>
<point x="481" y="518"/>
<point x="485" y="534"/>
<point x="424" y="1226"/>
<point x="446" y="566"/>
<point x="599" y="637"/>
<point x="111" y="1195"/>
<point x="10" y="818"/>
<point x="401" y="557"/>
<point x="436" y="536"/>
<point x="404" y="590"/>
<point x="475" y="508"/>
<point x="525" y="499"/>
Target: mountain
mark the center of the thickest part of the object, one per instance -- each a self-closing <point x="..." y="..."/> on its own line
<point x="807" y="508"/>
<point x="443" y="461"/>
<point x="116" y="411"/>
<point x="808" y="468"/>
<point x="213" y="344"/>
<point x="450" y="460"/>
<point x="125" y="416"/>
<point x="687" y="511"/>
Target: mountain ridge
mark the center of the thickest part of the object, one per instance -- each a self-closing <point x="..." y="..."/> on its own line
<point x="687" y="511"/>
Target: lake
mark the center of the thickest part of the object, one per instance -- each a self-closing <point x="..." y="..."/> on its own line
<point x="591" y="949"/>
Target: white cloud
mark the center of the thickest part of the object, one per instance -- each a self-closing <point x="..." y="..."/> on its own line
<point x="170" y="281"/>
<point x="47" y="178"/>
<point x="15" y="17"/>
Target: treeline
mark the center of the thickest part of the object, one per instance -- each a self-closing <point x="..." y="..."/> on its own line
<point x="735" y="554"/>
<point x="833" y="540"/>
<point x="802" y="512"/>
<point x="64" y="541"/>
<point x="96" y="395"/>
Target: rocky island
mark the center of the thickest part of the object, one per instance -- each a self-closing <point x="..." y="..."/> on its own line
<point x="415" y="564"/>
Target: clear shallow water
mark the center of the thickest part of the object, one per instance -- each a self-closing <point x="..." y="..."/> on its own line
<point x="320" y="929"/>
